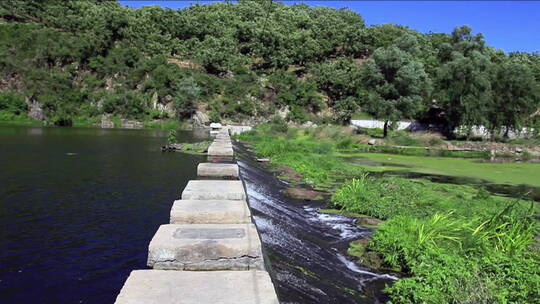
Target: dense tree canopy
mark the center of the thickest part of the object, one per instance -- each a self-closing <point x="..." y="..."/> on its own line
<point x="396" y="85"/>
<point x="253" y="59"/>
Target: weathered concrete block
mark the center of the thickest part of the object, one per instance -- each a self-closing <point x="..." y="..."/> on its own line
<point x="214" y="190"/>
<point x="210" y="212"/>
<point x="220" y="149"/>
<point x="197" y="287"/>
<point x="222" y="142"/>
<point x="220" y="159"/>
<point x="229" y="171"/>
<point x="206" y="247"/>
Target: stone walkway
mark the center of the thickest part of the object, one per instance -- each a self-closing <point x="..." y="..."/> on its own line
<point x="211" y="251"/>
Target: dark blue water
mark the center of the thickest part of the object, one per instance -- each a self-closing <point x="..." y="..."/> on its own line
<point x="78" y="208"/>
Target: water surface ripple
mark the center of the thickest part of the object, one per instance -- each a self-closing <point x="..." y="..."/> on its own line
<point x="78" y="208"/>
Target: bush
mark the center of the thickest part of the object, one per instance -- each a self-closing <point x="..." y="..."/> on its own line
<point x="346" y="143"/>
<point x="382" y="198"/>
<point x="405" y="140"/>
<point x="171" y="137"/>
<point x="12" y="103"/>
<point x="457" y="260"/>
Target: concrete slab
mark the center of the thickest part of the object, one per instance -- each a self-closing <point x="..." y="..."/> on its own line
<point x="210" y="212"/>
<point x="214" y="189"/>
<point x="228" y="171"/>
<point x="222" y="142"/>
<point x="206" y="247"/>
<point x="197" y="287"/>
<point x="220" y="159"/>
<point x="218" y="149"/>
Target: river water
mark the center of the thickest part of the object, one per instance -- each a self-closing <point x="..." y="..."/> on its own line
<point x="79" y="206"/>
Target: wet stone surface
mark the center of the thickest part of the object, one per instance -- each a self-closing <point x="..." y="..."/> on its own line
<point x="209" y="233"/>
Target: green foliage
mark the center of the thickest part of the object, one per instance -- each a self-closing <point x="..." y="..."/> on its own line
<point x="455" y="243"/>
<point x="516" y="96"/>
<point x="171" y="137"/>
<point x="396" y="85"/>
<point x="12" y="103"/>
<point x="462" y="260"/>
<point x="86" y="58"/>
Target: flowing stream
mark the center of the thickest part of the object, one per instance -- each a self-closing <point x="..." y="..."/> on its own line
<point x="306" y="249"/>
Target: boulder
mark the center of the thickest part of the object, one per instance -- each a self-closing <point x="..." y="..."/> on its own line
<point x="106" y="123"/>
<point x="200" y="119"/>
<point x="131" y="124"/>
<point x="35" y="111"/>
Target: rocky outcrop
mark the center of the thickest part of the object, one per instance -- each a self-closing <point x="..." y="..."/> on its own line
<point x="200" y="119"/>
<point x="131" y="124"/>
<point x="106" y="123"/>
<point x="35" y="111"/>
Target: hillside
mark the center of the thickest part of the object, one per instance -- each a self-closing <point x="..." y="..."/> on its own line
<point x="70" y="62"/>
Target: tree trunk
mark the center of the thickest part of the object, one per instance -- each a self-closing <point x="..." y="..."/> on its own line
<point x="506" y="130"/>
<point x="385" y="130"/>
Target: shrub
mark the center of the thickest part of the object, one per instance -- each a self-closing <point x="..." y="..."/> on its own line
<point x="171" y="137"/>
<point x="13" y="103"/>
<point x="382" y="198"/>
<point x="346" y="143"/>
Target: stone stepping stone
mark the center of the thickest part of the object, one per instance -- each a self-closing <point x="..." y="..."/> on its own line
<point x="210" y="212"/>
<point x="206" y="247"/>
<point x="228" y="171"/>
<point x="214" y="190"/>
<point x="219" y="149"/>
<point x="197" y="287"/>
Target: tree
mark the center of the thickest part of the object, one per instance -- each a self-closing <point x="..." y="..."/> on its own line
<point x="515" y="99"/>
<point x="187" y="93"/>
<point x="395" y="85"/>
<point x="464" y="90"/>
<point x="344" y="109"/>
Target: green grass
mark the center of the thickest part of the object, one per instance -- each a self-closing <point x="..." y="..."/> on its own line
<point x="10" y="119"/>
<point x="421" y="151"/>
<point x="454" y="243"/>
<point x="84" y="121"/>
<point x="502" y="173"/>
<point x="163" y="124"/>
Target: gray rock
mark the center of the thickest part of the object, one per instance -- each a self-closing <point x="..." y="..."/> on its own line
<point x="200" y="119"/>
<point x="106" y="123"/>
<point x="131" y="124"/>
<point x="35" y="110"/>
<point x="372" y="142"/>
<point x="283" y="112"/>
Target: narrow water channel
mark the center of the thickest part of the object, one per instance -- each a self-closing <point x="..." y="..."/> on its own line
<point x="306" y="248"/>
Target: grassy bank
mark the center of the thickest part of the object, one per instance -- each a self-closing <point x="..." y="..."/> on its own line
<point x="455" y="243"/>
<point x="9" y="119"/>
<point x="502" y="173"/>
